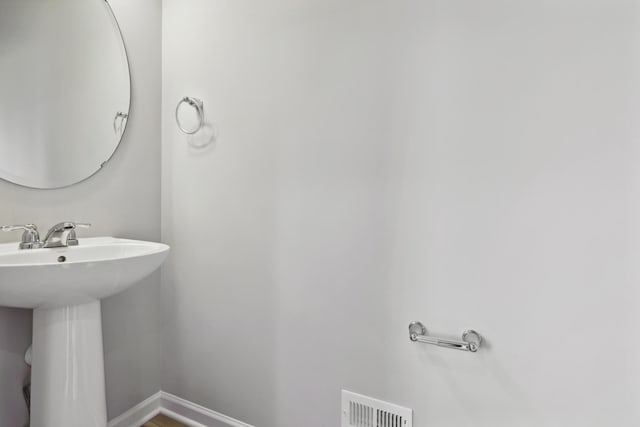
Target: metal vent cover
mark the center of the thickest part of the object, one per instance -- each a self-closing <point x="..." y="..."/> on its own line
<point x="364" y="411"/>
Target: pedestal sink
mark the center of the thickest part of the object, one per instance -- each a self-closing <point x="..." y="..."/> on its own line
<point x="64" y="286"/>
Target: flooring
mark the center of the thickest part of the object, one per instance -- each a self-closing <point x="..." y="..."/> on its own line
<point x="162" y="421"/>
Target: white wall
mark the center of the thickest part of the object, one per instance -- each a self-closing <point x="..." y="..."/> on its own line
<point x="122" y="200"/>
<point x="467" y="164"/>
<point x="517" y="214"/>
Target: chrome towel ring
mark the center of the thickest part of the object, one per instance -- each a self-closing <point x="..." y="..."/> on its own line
<point x="199" y="106"/>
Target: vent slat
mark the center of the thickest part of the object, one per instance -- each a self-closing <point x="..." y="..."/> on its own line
<point x="351" y="421"/>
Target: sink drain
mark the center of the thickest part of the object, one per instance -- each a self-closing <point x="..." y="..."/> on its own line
<point x="62" y="258"/>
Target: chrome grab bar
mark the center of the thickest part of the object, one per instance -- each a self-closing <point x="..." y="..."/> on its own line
<point x="470" y="339"/>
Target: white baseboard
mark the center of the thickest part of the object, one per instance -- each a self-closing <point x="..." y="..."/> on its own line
<point x="179" y="409"/>
<point x="139" y="414"/>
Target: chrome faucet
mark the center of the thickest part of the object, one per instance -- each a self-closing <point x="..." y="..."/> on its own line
<point x="62" y="235"/>
<point x="59" y="236"/>
<point x="30" y="237"/>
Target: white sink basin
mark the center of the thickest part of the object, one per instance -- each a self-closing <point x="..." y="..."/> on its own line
<point x="64" y="287"/>
<point x="97" y="268"/>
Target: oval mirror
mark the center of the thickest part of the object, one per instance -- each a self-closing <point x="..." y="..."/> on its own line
<point x="64" y="90"/>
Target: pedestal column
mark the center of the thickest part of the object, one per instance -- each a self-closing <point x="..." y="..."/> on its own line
<point x="67" y="379"/>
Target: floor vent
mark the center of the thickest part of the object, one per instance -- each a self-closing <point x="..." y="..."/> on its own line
<point x="363" y="411"/>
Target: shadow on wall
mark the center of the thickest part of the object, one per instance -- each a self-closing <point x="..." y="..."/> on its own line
<point x="15" y="338"/>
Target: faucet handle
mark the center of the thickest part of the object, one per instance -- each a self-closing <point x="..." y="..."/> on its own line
<point x="72" y="240"/>
<point x="30" y="237"/>
<point x="18" y="227"/>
